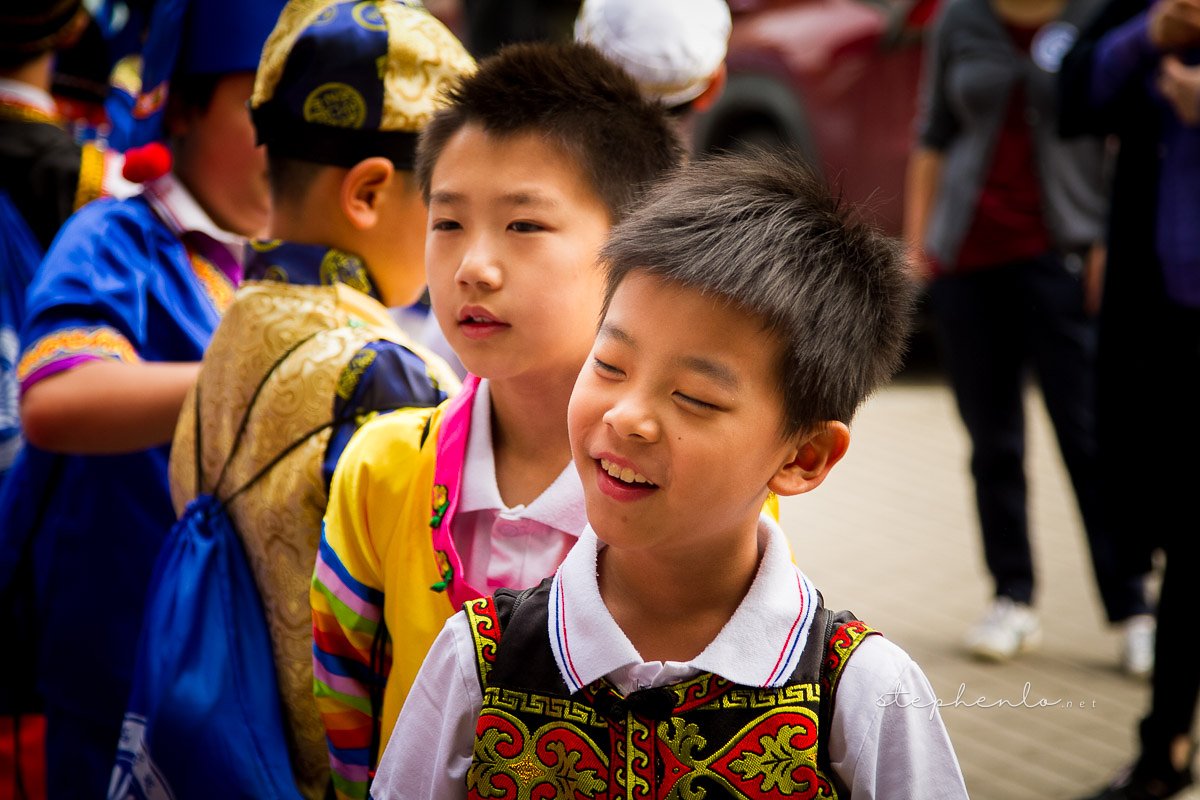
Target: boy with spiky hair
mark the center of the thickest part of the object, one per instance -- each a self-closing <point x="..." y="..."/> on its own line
<point x="678" y="649"/>
<point x="534" y="158"/>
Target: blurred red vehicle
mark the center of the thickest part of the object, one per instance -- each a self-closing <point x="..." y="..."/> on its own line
<point x="836" y="79"/>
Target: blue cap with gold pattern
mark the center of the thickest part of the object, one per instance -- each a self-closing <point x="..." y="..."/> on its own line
<point x="345" y="80"/>
<point x="184" y="38"/>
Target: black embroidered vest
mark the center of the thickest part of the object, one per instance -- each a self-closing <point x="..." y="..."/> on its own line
<point x="705" y="737"/>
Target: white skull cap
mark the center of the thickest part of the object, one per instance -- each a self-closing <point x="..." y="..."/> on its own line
<point x="670" y="47"/>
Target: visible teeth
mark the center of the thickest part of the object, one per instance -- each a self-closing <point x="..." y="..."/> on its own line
<point x="623" y="473"/>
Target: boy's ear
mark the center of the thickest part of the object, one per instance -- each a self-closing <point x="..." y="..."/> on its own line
<point x="363" y="189"/>
<point x="811" y="461"/>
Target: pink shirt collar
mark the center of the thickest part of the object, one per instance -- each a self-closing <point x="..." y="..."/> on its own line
<point x="560" y="506"/>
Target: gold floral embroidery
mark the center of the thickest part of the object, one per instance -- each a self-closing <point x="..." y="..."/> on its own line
<point x="348" y="381"/>
<point x="26" y="113"/>
<point x="91" y="175"/>
<point x="338" y="267"/>
<point x="218" y="287"/>
<point x="557" y="756"/>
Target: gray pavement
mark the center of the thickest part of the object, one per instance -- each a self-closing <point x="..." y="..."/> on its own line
<point x="891" y="535"/>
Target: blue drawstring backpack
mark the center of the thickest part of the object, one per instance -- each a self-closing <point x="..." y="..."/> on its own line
<point x="204" y="718"/>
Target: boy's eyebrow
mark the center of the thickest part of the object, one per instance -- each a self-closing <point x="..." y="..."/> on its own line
<point x="510" y="198"/>
<point x="620" y="334"/>
<point x="445" y="197"/>
<point x="528" y="199"/>
<point x="713" y="370"/>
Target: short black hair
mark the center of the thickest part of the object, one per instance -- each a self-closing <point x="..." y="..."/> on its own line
<point x="192" y="94"/>
<point x="290" y="178"/>
<point x="761" y="232"/>
<point x="577" y="99"/>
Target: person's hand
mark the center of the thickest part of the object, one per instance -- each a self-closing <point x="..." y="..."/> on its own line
<point x="1174" y="24"/>
<point x="1180" y="84"/>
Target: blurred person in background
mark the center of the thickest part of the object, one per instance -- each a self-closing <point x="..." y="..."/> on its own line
<point x="488" y="25"/>
<point x="82" y="71"/>
<point x="116" y="320"/>
<point x="1005" y="221"/>
<point x="674" y="49"/>
<point x="45" y="175"/>
<point x="1134" y="74"/>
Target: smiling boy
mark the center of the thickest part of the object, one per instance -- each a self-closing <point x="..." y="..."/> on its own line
<point x="678" y="651"/>
<point x="534" y="158"/>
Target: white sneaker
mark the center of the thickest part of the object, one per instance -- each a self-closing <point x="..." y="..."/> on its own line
<point x="1137" y="645"/>
<point x="1006" y="629"/>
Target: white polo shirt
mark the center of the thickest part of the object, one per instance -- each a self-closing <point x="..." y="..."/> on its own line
<point x="887" y="740"/>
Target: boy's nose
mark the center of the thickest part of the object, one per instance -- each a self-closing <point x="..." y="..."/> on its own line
<point x="480" y="265"/>
<point x="631" y="418"/>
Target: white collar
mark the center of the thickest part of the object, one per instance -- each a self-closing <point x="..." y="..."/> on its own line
<point x="179" y="209"/>
<point x="560" y="506"/>
<point x="760" y="645"/>
<point x="28" y="94"/>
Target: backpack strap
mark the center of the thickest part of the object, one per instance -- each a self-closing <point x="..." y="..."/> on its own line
<point x="841" y="643"/>
<point x="197" y="444"/>
<point x="348" y="415"/>
<point x="485" y="634"/>
<point x="842" y="634"/>
<point x="489" y="616"/>
<point x="245" y="421"/>
<point x="282" y="454"/>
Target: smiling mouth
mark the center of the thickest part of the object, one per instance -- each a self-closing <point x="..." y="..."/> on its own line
<point x="625" y="474"/>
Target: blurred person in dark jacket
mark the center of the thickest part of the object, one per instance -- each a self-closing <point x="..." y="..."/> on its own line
<point x="1133" y="75"/>
<point x="1006" y="221"/>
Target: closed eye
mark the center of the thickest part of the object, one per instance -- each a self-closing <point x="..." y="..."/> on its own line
<point x="696" y="402"/>
<point x="605" y="368"/>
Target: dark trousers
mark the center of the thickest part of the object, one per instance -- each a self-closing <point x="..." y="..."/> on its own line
<point x="1175" y="688"/>
<point x="1176" y="681"/>
<point x="995" y="327"/>
<point x="1150" y="422"/>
